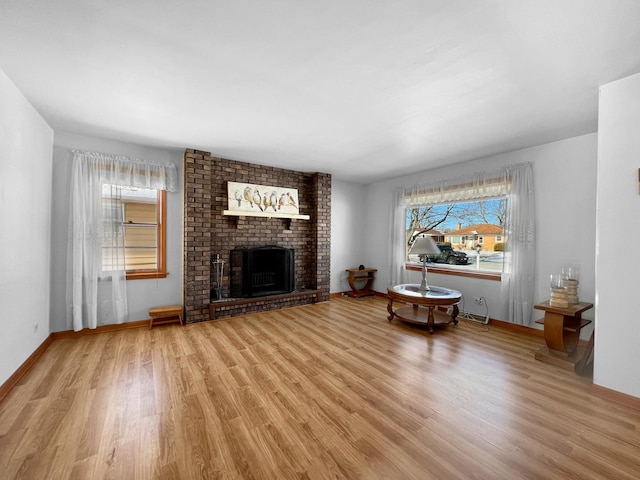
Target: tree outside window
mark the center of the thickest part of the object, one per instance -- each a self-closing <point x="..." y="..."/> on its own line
<point x="473" y="227"/>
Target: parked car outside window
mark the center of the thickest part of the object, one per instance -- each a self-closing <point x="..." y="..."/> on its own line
<point x="448" y="255"/>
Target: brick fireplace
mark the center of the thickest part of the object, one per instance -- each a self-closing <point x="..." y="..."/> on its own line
<point x="208" y="232"/>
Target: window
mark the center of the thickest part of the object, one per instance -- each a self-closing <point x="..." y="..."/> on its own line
<point x="512" y="185"/>
<point x="140" y="216"/>
<point x="469" y="232"/>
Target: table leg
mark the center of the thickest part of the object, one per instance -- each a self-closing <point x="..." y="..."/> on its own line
<point x="454" y="314"/>
<point x="390" y="309"/>
<point x="560" y="341"/>
<point x="431" y="320"/>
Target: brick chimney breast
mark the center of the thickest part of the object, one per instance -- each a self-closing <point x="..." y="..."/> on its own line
<point x="207" y="232"/>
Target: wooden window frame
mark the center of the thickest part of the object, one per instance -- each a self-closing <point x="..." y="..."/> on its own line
<point x="484" y="275"/>
<point x="161" y="271"/>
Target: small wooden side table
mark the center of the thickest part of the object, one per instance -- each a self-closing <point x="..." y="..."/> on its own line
<point x="360" y="281"/>
<point x="561" y="333"/>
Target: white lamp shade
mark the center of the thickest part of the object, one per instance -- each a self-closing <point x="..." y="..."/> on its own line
<point x="424" y="246"/>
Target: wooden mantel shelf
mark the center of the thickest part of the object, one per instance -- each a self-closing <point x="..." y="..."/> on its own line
<point x="265" y="215"/>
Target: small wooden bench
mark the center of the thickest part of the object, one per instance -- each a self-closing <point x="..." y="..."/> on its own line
<point x="166" y="314"/>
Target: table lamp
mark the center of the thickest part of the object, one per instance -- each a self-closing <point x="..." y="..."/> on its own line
<point x="424" y="246"/>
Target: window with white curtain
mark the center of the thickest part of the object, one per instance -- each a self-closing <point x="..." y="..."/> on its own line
<point x="514" y="184"/>
<point x="107" y="203"/>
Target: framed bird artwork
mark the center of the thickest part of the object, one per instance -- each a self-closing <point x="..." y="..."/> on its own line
<point x="251" y="197"/>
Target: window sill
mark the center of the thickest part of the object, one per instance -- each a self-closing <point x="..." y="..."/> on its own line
<point x="146" y="275"/>
<point x="431" y="268"/>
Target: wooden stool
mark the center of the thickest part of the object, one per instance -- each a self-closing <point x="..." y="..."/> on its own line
<point x="167" y="314"/>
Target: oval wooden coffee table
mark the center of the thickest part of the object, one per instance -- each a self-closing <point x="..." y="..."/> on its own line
<point x="424" y="304"/>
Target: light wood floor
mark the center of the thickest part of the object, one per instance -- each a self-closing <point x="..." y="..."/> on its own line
<point x="323" y="391"/>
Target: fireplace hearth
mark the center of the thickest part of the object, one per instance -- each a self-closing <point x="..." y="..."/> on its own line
<point x="262" y="271"/>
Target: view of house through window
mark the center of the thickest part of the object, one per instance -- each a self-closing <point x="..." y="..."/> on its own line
<point x="135" y="239"/>
<point x="470" y="234"/>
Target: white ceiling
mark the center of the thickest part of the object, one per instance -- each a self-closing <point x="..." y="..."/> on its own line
<point x="361" y="89"/>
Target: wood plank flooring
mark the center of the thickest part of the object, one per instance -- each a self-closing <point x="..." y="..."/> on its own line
<point x="330" y="390"/>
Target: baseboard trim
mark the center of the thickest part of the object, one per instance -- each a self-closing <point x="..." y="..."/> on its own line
<point x="22" y="370"/>
<point x="523" y="329"/>
<point x="100" y="329"/>
<point x="615" y="396"/>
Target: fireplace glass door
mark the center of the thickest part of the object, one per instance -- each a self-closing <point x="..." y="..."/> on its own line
<point x="262" y="271"/>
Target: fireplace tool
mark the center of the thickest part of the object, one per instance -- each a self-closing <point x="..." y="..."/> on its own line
<point x="218" y="269"/>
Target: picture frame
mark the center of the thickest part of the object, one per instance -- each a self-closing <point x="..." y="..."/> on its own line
<point x="266" y="199"/>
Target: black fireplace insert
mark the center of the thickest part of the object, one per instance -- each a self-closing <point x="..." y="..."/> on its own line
<point x="262" y="271"/>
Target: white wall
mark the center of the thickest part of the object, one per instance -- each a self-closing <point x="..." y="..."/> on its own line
<point x="141" y="294"/>
<point x="617" y="339"/>
<point x="349" y="234"/>
<point x="25" y="215"/>
<point x="565" y="186"/>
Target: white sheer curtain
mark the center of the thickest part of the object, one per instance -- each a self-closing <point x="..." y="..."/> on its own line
<point x="518" y="277"/>
<point x="517" y="183"/>
<point x="398" y="239"/>
<point x="96" y="283"/>
<point x="112" y="285"/>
